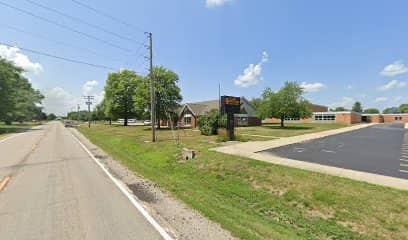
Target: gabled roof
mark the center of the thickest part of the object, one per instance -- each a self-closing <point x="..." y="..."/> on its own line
<point x="204" y="107"/>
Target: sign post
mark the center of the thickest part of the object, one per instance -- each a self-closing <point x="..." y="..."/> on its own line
<point x="230" y="106"/>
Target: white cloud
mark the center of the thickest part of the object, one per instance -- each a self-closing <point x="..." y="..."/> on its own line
<point x="14" y="55"/>
<point x="392" y="84"/>
<point x="397" y="99"/>
<point x="251" y="74"/>
<point x="349" y="87"/>
<point x="312" y="87"/>
<point x="394" y="69"/>
<point x="88" y="86"/>
<point x="99" y="97"/>
<point x="216" y="3"/>
<point x="59" y="101"/>
<point x="380" y="99"/>
<point x="345" y="102"/>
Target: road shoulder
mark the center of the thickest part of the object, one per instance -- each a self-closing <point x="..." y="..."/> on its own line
<point x="175" y="216"/>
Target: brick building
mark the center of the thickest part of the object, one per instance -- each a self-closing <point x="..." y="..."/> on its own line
<point x="348" y="117"/>
<point x="190" y="112"/>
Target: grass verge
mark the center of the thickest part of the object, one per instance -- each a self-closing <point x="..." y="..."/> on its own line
<point x="257" y="200"/>
<point x="16" y="128"/>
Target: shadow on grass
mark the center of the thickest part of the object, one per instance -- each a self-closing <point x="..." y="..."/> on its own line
<point x="14" y="130"/>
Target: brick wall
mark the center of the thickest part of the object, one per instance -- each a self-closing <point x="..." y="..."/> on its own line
<point x="349" y="118"/>
<point x="391" y="118"/>
<point x="375" y="119"/>
<point x="254" y="121"/>
<point x="318" y="108"/>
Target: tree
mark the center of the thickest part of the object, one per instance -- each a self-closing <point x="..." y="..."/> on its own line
<point x="119" y="94"/>
<point x="167" y="95"/>
<point x="100" y="111"/>
<point x="51" y="117"/>
<point x="403" y="108"/>
<point x="19" y="101"/>
<point x="83" y="115"/>
<point x="391" y="110"/>
<point x="340" y="109"/>
<point x="256" y="102"/>
<point x="371" y="110"/>
<point x="357" y="107"/>
<point x="288" y="102"/>
<point x="208" y="124"/>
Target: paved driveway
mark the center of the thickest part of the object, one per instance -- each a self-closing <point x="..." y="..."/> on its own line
<point x="380" y="149"/>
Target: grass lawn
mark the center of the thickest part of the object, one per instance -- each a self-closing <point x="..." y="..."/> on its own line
<point x="257" y="200"/>
<point x="16" y="128"/>
<point x="291" y="129"/>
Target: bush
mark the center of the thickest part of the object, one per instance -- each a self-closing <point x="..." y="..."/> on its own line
<point x="209" y="123"/>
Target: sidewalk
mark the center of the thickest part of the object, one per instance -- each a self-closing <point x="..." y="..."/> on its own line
<point x="254" y="150"/>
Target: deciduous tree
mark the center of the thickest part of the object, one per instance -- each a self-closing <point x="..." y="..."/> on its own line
<point x="19" y="100"/>
<point x="288" y="102"/>
<point x="167" y="94"/>
<point x="357" y="107"/>
<point x="371" y="110"/>
<point x="120" y="90"/>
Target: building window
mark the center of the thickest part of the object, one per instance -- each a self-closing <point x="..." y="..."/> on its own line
<point x="187" y="121"/>
<point x="324" y="117"/>
<point x="292" y="119"/>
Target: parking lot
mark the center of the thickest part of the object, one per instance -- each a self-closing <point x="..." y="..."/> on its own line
<point x="380" y="149"/>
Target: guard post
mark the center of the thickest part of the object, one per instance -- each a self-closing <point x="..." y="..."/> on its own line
<point x="230" y="106"/>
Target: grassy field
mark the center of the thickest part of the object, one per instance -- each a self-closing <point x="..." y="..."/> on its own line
<point x="291" y="129"/>
<point x="15" y="128"/>
<point x="257" y="200"/>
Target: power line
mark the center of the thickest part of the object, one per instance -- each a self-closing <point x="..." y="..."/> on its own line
<point x="84" y="22"/>
<point x="66" y="27"/>
<point x="62" y="58"/>
<point x="108" y="16"/>
<point x="46" y="38"/>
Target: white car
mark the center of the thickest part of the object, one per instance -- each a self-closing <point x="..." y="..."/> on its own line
<point x="69" y="123"/>
<point x="147" y="122"/>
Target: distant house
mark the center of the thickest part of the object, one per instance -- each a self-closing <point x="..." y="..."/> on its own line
<point x="190" y="112"/>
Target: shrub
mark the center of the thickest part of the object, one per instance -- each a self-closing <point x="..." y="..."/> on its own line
<point x="209" y="123"/>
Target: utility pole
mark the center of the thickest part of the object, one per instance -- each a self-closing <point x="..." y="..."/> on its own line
<point x="89" y="103"/>
<point x="78" y="114"/>
<point x="152" y="94"/>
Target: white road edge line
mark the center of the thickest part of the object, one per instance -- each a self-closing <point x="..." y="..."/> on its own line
<point x="139" y="207"/>
<point x="11" y="137"/>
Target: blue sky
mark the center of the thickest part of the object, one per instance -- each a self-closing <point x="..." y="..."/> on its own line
<point x="340" y="51"/>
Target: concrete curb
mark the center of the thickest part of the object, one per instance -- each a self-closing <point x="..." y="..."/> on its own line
<point x="254" y="150"/>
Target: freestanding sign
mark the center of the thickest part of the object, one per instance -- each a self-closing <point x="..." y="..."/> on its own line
<point x="230" y="106"/>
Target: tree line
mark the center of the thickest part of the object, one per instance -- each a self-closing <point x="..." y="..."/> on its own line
<point x="127" y="96"/>
<point x="19" y="101"/>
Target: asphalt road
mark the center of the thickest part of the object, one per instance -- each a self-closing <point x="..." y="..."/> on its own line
<point x="56" y="191"/>
<point x="380" y="149"/>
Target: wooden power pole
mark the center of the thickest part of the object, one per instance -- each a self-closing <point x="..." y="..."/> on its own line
<point x="152" y="93"/>
<point x="89" y="103"/>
